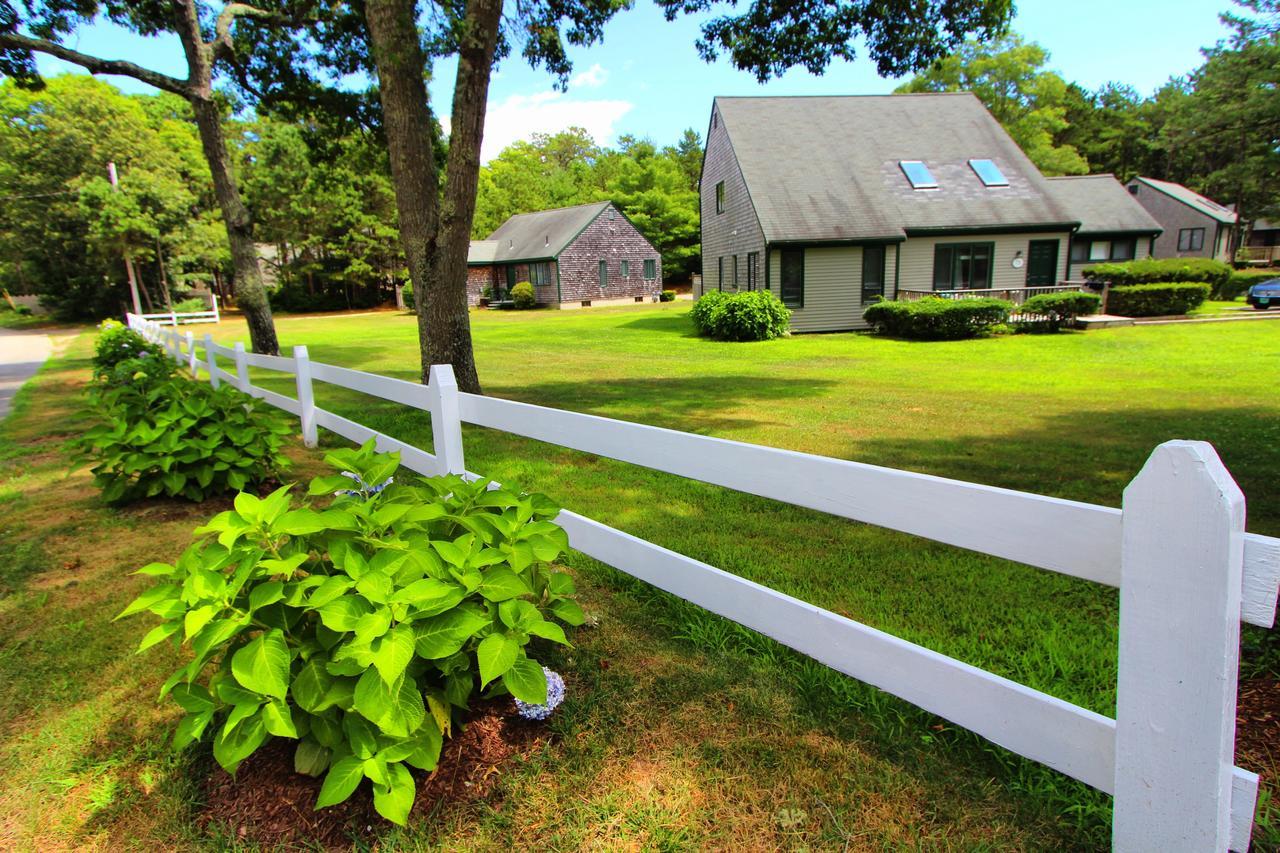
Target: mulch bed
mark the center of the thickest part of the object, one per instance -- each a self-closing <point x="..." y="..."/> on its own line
<point x="1258" y="725"/>
<point x="269" y="804"/>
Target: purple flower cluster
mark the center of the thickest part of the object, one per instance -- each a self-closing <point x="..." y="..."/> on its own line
<point x="555" y="695"/>
<point x="365" y="491"/>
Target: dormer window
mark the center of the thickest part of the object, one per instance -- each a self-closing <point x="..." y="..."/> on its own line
<point x="989" y="173"/>
<point x="918" y="174"/>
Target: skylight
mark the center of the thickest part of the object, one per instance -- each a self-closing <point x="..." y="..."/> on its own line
<point x="918" y="174"/>
<point x="989" y="173"/>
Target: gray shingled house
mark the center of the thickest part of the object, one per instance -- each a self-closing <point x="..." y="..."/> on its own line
<point x="1194" y="226"/>
<point x="1113" y="226"/>
<point x="574" y="257"/>
<point x="835" y="202"/>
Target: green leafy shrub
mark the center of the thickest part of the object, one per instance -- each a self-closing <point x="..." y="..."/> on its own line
<point x="407" y="293"/>
<point x="703" y="310"/>
<point x="362" y="629"/>
<point x="1156" y="300"/>
<point x="1053" y="310"/>
<point x="523" y="297"/>
<point x="191" y="306"/>
<point x="167" y="435"/>
<point x="938" y="318"/>
<point x="1241" y="281"/>
<point x="667" y="296"/>
<point x="23" y="311"/>
<point x="116" y="343"/>
<point x="1216" y="274"/>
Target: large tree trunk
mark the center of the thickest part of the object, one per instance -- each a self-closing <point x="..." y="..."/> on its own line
<point x="436" y="260"/>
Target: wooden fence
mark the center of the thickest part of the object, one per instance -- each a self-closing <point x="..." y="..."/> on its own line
<point x="1187" y="571"/>
<point x="175" y="318"/>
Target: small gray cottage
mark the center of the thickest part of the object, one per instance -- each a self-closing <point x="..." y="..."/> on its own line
<point x="575" y="257"/>
<point x="833" y="203"/>
<point x="1113" y="226"/>
<point x="1194" y="226"/>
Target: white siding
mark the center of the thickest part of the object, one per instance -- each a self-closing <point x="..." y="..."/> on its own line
<point x="917" y="258"/>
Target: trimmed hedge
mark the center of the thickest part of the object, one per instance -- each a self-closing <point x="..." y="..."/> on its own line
<point x="751" y="315"/>
<point x="1156" y="300"/>
<point x="1053" y="310"/>
<point x="938" y="319"/>
<point x="1241" y="281"/>
<point x="1216" y="274"/>
<point x="522" y="296"/>
<point x="667" y="296"/>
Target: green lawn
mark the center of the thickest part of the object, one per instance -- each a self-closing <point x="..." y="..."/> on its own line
<point x="684" y="731"/>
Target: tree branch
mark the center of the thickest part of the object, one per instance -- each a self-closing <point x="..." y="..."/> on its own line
<point x="95" y="65"/>
<point x="222" y="45"/>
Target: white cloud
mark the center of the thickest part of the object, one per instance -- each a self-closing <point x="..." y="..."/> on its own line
<point x="520" y="116"/>
<point x="593" y="78"/>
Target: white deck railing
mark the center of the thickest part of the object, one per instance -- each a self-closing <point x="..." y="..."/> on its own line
<point x="1187" y="571"/>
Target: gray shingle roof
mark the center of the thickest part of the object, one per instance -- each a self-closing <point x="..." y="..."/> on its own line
<point x="1102" y="205"/>
<point x="1192" y="199"/>
<point x="534" y="236"/>
<point x="826" y="168"/>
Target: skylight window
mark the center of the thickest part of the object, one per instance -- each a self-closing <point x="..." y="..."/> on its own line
<point x="989" y="173"/>
<point x="918" y="174"/>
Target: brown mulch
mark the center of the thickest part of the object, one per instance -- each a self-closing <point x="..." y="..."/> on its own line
<point x="1258" y="725"/>
<point x="269" y="804"/>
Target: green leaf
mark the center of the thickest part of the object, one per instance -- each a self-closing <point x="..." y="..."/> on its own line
<point x="427" y="743"/>
<point x="263" y="665"/>
<point x="527" y="682"/>
<point x="310" y="758"/>
<point x="154" y="595"/>
<point x="195" y="620"/>
<point x="215" y="634"/>
<point x="496" y="653"/>
<point x="328" y="484"/>
<point x="343" y="614"/>
<point x="394" y="801"/>
<point x="155" y="570"/>
<point x="266" y="593"/>
<point x="240" y="713"/>
<point x="375" y="769"/>
<point x="440" y="636"/>
<point x="548" y="631"/>
<point x="397" y="709"/>
<point x="501" y="584"/>
<point x="278" y="720"/>
<point x="284" y="566"/>
<point x="375" y="586"/>
<point x="373" y="625"/>
<point x="561" y="584"/>
<point x="299" y="522"/>
<point x="158" y="634"/>
<point x="519" y="615"/>
<point x="239" y="744"/>
<point x="361" y="735"/>
<point x="568" y="612"/>
<point x="191" y="727"/>
<point x="341" y="781"/>
<point x="193" y="698"/>
<point x="450" y="553"/>
<point x="311" y="685"/>
<point x="392" y="652"/>
<point x="329" y="589"/>
<point x="249" y="506"/>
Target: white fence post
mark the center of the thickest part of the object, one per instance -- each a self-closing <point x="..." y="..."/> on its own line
<point x="211" y="360"/>
<point x="306" y="400"/>
<point x="446" y="419"/>
<point x="242" y="368"/>
<point x="191" y="354"/>
<point x="217" y="315"/>
<point x="1182" y="558"/>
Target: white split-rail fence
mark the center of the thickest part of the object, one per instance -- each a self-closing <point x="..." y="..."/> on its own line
<point x="1187" y="571"/>
<point x="175" y="318"/>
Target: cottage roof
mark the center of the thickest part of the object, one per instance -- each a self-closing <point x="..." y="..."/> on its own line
<point x="536" y="236"/>
<point x="830" y="168"/>
<point x="1102" y="205"/>
<point x="1192" y="199"/>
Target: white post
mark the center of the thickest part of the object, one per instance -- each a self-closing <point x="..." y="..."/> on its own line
<point x="446" y="420"/>
<point x="191" y="354"/>
<point x="211" y="360"/>
<point x="173" y="317"/>
<point x="306" y="402"/>
<point x="217" y="316"/>
<point x="242" y="368"/>
<point x="1182" y="560"/>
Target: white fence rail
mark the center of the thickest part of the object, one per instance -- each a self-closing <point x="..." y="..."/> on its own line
<point x="1187" y="571"/>
<point x="176" y="318"/>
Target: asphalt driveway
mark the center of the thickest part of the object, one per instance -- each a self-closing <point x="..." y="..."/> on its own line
<point x="21" y="354"/>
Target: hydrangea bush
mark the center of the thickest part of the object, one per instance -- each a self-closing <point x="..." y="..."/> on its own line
<point x="118" y="343"/>
<point x="361" y="628"/>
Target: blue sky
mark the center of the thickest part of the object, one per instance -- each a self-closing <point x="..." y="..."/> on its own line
<point x="646" y="78"/>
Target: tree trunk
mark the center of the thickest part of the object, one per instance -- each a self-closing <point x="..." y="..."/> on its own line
<point x="437" y="267"/>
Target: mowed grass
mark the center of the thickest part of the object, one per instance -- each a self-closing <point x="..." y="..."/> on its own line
<point x="683" y="731"/>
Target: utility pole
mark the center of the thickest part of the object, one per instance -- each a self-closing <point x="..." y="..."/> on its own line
<point x="128" y="261"/>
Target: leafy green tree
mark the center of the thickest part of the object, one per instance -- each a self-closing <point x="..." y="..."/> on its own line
<point x="1008" y="76"/>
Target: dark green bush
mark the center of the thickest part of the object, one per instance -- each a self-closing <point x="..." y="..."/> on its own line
<point x="523" y="296"/>
<point x="1241" y="281"/>
<point x="938" y="318"/>
<point x="362" y="629"/>
<point x="23" y="311"/>
<point x="191" y="306"/>
<point x="406" y="293"/>
<point x="1216" y="274"/>
<point x="1052" y="310"/>
<point x="751" y="315"/>
<point x="117" y="343"/>
<point x="667" y="296"/>
<point x="176" y="437"/>
<point x="1156" y="300"/>
<point x="707" y="305"/>
<point x="294" y="298"/>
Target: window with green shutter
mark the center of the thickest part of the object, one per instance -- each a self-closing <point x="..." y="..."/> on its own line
<point x="650" y="269"/>
<point x="626" y="268"/>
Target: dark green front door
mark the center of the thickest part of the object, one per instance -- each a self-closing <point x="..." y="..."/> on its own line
<point x="511" y="281"/>
<point x="1042" y="263"/>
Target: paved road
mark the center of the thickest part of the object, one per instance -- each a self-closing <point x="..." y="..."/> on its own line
<point x="21" y="354"/>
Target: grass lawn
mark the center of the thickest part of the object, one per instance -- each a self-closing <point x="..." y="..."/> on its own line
<point x="682" y="731"/>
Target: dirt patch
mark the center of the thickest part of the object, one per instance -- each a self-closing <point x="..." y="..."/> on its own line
<point x="269" y="804"/>
<point x="1258" y="725"/>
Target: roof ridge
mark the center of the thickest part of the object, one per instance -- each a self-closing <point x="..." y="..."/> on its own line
<point x="860" y="95"/>
<point x="1078" y="177"/>
<point x="555" y="209"/>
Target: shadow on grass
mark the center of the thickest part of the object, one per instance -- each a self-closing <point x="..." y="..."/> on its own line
<point x="670" y="322"/>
